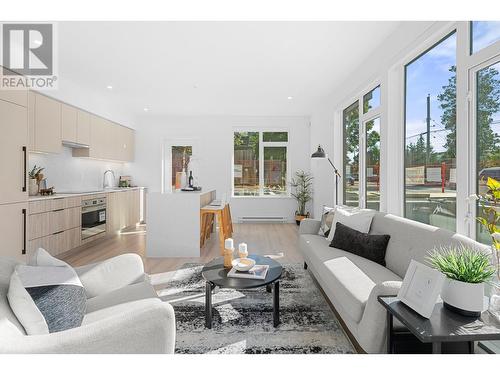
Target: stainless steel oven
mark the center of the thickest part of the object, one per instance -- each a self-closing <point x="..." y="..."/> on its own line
<point x="93" y="217"/>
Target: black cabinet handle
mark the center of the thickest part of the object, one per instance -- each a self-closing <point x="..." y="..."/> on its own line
<point x="24" y="235"/>
<point x="25" y="166"/>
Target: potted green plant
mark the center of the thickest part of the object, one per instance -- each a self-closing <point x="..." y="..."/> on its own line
<point x="466" y="270"/>
<point x="34" y="178"/>
<point x="302" y="184"/>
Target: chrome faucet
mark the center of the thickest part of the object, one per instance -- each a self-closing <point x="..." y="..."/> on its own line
<point x="104" y="184"/>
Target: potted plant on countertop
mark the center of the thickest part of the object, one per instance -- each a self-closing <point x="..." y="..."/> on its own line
<point x="466" y="270"/>
<point x="302" y="183"/>
<point x="35" y="175"/>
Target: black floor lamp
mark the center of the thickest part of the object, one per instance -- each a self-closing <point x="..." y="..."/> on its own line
<point x="320" y="154"/>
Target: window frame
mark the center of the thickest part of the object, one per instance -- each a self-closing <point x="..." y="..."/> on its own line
<point x="262" y="145"/>
<point x="363" y="118"/>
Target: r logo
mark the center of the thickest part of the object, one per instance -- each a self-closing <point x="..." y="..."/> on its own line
<point x="28" y="49"/>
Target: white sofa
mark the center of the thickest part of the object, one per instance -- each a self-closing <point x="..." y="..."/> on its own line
<point x="124" y="314"/>
<point x="353" y="283"/>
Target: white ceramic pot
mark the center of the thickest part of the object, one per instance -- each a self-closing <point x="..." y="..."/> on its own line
<point x="32" y="187"/>
<point x="463" y="298"/>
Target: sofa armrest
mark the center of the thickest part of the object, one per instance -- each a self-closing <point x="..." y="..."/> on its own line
<point x="148" y="329"/>
<point x="309" y="226"/>
<point x="372" y="327"/>
<point x="111" y="274"/>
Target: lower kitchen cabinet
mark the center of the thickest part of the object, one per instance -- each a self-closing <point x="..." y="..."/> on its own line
<point x="57" y="243"/>
<point x="123" y="210"/>
<point x="13" y="227"/>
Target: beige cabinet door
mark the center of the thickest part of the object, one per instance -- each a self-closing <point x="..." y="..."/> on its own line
<point x="69" y="123"/>
<point x="47" y="124"/>
<point x="130" y="142"/>
<point x="13" y="222"/>
<point x="83" y="128"/>
<point x="98" y="137"/>
<point x="19" y="97"/>
<point x="13" y="152"/>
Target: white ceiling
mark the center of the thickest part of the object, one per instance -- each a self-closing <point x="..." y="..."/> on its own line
<point x="214" y="68"/>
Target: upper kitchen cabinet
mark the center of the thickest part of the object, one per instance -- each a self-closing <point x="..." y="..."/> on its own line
<point x="75" y="126"/>
<point x="13" y="148"/>
<point x="19" y="97"/>
<point x="69" y="123"/>
<point x="83" y="127"/>
<point x="45" y="123"/>
<point x="109" y="141"/>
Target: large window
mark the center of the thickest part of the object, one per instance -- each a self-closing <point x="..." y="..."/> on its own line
<point x="430" y="136"/>
<point x="483" y="34"/>
<point x="487" y="133"/>
<point x="256" y="151"/>
<point x="351" y="155"/>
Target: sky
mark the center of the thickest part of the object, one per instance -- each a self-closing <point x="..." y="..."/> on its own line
<point x="430" y="72"/>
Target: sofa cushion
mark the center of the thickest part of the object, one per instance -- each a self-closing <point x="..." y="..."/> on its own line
<point x="9" y="322"/>
<point x="133" y="292"/>
<point x="326" y="221"/>
<point x="369" y="246"/>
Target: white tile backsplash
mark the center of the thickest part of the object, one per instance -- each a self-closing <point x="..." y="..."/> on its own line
<point x="67" y="173"/>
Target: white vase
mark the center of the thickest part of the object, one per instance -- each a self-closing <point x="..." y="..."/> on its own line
<point x="32" y="187"/>
<point x="463" y="298"/>
<point x="183" y="179"/>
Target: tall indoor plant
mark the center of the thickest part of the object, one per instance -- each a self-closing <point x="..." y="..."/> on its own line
<point x="302" y="184"/>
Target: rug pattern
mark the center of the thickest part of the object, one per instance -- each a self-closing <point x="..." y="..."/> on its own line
<point x="242" y="320"/>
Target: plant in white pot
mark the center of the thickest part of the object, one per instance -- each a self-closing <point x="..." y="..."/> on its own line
<point x="302" y="184"/>
<point x="466" y="270"/>
<point x="34" y="179"/>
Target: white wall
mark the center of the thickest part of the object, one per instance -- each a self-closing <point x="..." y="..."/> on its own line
<point x="213" y="135"/>
<point x="326" y="119"/>
<point x="67" y="173"/>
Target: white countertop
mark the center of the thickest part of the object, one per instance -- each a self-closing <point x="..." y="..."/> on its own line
<point x="80" y="193"/>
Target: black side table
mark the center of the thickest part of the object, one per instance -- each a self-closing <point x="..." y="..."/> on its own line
<point x="443" y="326"/>
<point x="215" y="274"/>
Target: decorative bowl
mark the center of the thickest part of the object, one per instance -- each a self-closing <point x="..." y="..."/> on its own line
<point x="243" y="264"/>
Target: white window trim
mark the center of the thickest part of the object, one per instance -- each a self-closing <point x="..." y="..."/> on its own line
<point x="263" y="144"/>
<point x="363" y="118"/>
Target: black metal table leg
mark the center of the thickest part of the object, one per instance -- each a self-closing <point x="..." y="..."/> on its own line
<point x="269" y="288"/>
<point x="390" y="344"/>
<point x="276" y="304"/>
<point x="436" y="347"/>
<point x="305" y="265"/>
<point x="471" y="347"/>
<point x="208" y="304"/>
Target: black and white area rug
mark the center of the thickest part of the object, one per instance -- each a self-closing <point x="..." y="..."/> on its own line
<point x="242" y="320"/>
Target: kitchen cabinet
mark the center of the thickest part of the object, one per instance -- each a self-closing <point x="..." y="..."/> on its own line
<point x="13" y="152"/>
<point x="69" y="123"/>
<point x="123" y="210"/>
<point x="83" y="127"/>
<point x="19" y="97"/>
<point x="45" y="129"/>
<point x="13" y="227"/>
<point x="54" y="224"/>
<point x="124" y="143"/>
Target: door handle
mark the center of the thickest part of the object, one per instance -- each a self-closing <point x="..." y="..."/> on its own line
<point x="25" y="152"/>
<point x="24" y="230"/>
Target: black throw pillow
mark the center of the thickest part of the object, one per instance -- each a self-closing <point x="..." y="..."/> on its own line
<point x="369" y="246"/>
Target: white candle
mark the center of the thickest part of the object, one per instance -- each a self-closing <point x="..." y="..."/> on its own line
<point x="243" y="247"/>
<point x="229" y="244"/>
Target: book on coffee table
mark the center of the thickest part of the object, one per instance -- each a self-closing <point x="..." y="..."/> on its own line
<point x="257" y="272"/>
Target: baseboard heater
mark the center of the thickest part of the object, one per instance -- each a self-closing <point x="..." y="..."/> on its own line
<point x="262" y="219"/>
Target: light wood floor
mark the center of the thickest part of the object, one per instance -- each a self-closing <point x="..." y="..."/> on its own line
<point x="262" y="239"/>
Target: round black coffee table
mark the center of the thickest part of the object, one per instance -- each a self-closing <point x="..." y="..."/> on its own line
<point x="215" y="274"/>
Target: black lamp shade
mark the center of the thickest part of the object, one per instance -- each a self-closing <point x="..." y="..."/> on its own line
<point x="320" y="153"/>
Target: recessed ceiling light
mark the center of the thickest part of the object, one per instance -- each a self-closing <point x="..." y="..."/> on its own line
<point x="195" y="86"/>
<point x="290" y="98"/>
<point x="146" y="109"/>
<point x="109" y="87"/>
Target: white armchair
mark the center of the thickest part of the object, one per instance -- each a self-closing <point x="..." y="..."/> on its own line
<point x="124" y="314"/>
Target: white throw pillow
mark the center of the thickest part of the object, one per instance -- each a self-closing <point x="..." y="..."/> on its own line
<point x="326" y="220"/>
<point x="358" y="219"/>
<point x="48" y="296"/>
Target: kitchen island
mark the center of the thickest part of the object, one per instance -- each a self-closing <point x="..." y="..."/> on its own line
<point x="174" y="223"/>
